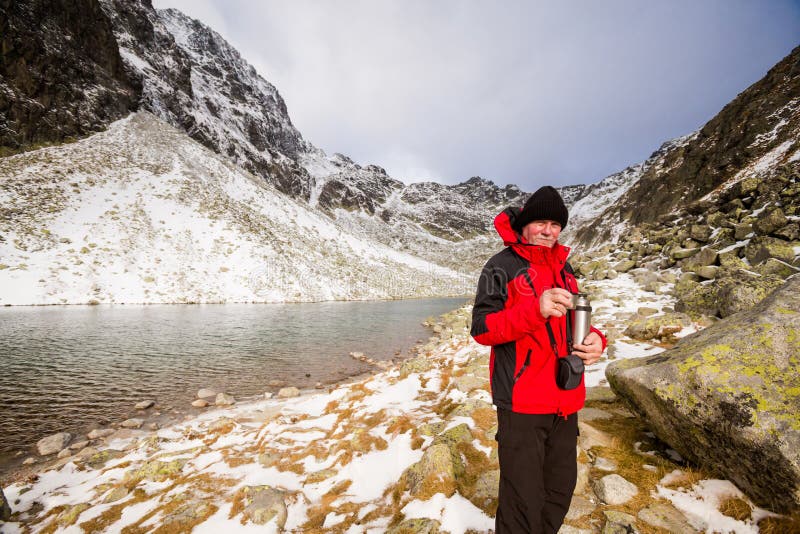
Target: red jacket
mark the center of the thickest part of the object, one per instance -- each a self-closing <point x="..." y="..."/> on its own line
<point x="522" y="367"/>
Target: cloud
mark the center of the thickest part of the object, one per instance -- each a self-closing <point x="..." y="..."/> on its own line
<point x="517" y="92"/>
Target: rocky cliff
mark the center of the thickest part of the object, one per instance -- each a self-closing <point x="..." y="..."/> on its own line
<point x="61" y="76"/>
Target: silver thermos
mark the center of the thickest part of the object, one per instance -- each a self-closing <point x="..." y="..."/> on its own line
<point x="583" y="317"/>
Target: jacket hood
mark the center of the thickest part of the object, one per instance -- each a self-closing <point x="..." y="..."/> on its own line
<point x="504" y="223"/>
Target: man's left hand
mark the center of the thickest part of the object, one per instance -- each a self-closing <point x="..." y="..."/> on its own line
<point x="590" y="350"/>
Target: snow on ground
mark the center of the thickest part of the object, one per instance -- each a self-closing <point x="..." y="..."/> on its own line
<point x="336" y="460"/>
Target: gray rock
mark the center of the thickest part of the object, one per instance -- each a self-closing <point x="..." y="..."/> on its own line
<point x="770" y="220"/>
<point x="722" y="395"/>
<point x="618" y="522"/>
<point x="662" y="515"/>
<point x="604" y="464"/>
<point x="683" y="253"/>
<point x="467" y="383"/>
<point x="145" y="404"/>
<point x="437" y="466"/>
<point x="706" y="256"/>
<point x="707" y="272"/>
<point x="790" y="232"/>
<point x="700" y="232"/>
<point x="5" y="509"/>
<point x="590" y="414"/>
<point x="287" y="393"/>
<point x="582" y="480"/>
<point x="579" y="507"/>
<point x="200" y="403"/>
<point x="98" y="433"/>
<point x="132" y="423"/>
<point x="613" y="489"/>
<point x="206" y="393"/>
<point x="186" y="515"/>
<point x="591" y="437"/>
<point x="416" y="526"/>
<point x="657" y="326"/>
<point x="29" y="461"/>
<point x="600" y="394"/>
<point x="762" y="247"/>
<point x="486" y="487"/>
<point x="420" y="364"/>
<point x="741" y="231"/>
<point x="223" y="399"/>
<point x="280" y="383"/>
<point x="64" y="453"/>
<point x="53" y="444"/>
<point x="263" y="504"/>
<point x="624" y="266"/>
<point x="644" y="311"/>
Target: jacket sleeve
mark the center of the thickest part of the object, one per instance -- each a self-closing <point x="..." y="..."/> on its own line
<point x="492" y="322"/>
<point x="602" y="337"/>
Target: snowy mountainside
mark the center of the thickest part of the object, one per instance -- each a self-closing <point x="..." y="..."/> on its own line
<point x="142" y="214"/>
<point x="597" y="197"/>
<point x="193" y="79"/>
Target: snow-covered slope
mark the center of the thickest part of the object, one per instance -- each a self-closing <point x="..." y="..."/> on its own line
<point x="141" y="213"/>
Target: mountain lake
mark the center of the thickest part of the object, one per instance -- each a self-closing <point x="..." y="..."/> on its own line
<point x="75" y="368"/>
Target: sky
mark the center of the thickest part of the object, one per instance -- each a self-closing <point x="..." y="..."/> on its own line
<point x="522" y="92"/>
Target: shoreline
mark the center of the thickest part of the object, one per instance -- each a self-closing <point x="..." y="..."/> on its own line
<point x="12" y="469"/>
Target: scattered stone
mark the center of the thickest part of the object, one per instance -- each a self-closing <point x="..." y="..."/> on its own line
<point x="662" y="515"/>
<point x="434" y="473"/>
<point x="762" y="247"/>
<point x="719" y="396"/>
<point x="618" y="522"/>
<point x="100" y="433"/>
<point x="64" y="453"/>
<point x="613" y="489"/>
<point x="268" y="459"/>
<point x="658" y="326"/>
<point x="286" y="393"/>
<point x="156" y="470"/>
<point x="223" y="399"/>
<point x="644" y="311"/>
<point x="262" y="504"/>
<point x="70" y="514"/>
<point x="319" y="385"/>
<point x="268" y="395"/>
<point x="206" y="393"/>
<point x="467" y="383"/>
<point x="186" y="515"/>
<point x="319" y="476"/>
<point x="29" y="461"/>
<point x="486" y="487"/>
<point x="416" y="526"/>
<point x="78" y="445"/>
<point x="276" y="383"/>
<point x="624" y="266"/>
<point x="682" y="253"/>
<point x="770" y="220"/>
<point x="116" y="494"/>
<point x="582" y="480"/>
<point x="591" y="437"/>
<point x="97" y="459"/>
<point x="53" y="444"/>
<point x="707" y="272"/>
<point x="132" y="423"/>
<point x="223" y="424"/>
<point x="145" y="404"/>
<point x="604" y="464"/>
<point x="700" y="232"/>
<point x="420" y="364"/>
<point x="153" y="426"/>
<point x="200" y="403"/>
<point x="579" y="507"/>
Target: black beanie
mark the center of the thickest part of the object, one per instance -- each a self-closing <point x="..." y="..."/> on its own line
<point x="544" y="205"/>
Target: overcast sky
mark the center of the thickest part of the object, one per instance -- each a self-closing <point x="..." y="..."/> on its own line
<point x="517" y="92"/>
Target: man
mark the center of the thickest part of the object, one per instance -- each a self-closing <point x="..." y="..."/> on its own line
<point x="521" y="291"/>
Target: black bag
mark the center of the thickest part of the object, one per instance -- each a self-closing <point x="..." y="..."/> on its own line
<point x="569" y="372"/>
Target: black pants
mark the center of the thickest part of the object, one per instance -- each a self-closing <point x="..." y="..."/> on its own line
<point x="538" y="471"/>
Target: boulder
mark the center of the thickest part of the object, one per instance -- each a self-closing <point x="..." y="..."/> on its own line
<point x="420" y="364"/>
<point x="53" y="444"/>
<point x="762" y="247"/>
<point x="770" y="220"/>
<point x="722" y="396"/>
<point x="486" y="487"/>
<point x="5" y="509"/>
<point x="624" y="266"/>
<point x="790" y="232"/>
<point x="579" y="507"/>
<point x="700" y="232"/>
<point x="742" y="230"/>
<point x="657" y="326"/>
<point x="434" y="473"/>
<point x="418" y="525"/>
<point x="467" y="383"/>
<point x="98" y="433"/>
<point x="740" y="290"/>
<point x="683" y="253"/>
<point x="132" y="423"/>
<point x="706" y="256"/>
<point x="707" y="272"/>
<point x="618" y="523"/>
<point x="206" y="393"/>
<point x="665" y="516"/>
<point x="773" y="267"/>
<point x="200" y="403"/>
<point x="223" y="399"/>
<point x="613" y="489"/>
<point x="287" y="393"/>
<point x="262" y="504"/>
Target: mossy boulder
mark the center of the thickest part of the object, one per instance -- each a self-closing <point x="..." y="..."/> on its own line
<point x="434" y="473"/>
<point x="706" y="256"/>
<point x="624" y="266"/>
<point x="657" y="326"/>
<point x="262" y="504"/>
<point x="761" y="248"/>
<point x="733" y="290"/>
<point x="728" y="397"/>
<point x="420" y="364"/>
<point x="700" y="232"/>
<point x="416" y="526"/>
<point x="770" y="220"/>
<point x="157" y="470"/>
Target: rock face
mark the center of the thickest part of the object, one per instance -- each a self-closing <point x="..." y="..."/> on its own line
<point x="729" y="397"/>
<point x="53" y="444"/>
<point x="52" y="52"/>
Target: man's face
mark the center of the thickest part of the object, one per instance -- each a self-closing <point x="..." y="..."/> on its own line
<point x="544" y="233"/>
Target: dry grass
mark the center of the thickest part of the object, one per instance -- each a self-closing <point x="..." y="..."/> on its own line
<point x="485" y="418"/>
<point x="780" y="525"/>
<point x="736" y="508"/>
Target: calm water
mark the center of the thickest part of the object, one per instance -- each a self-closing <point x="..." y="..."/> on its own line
<point x="74" y="368"/>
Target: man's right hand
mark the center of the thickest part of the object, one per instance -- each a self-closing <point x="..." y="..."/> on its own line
<point x="555" y="302"/>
